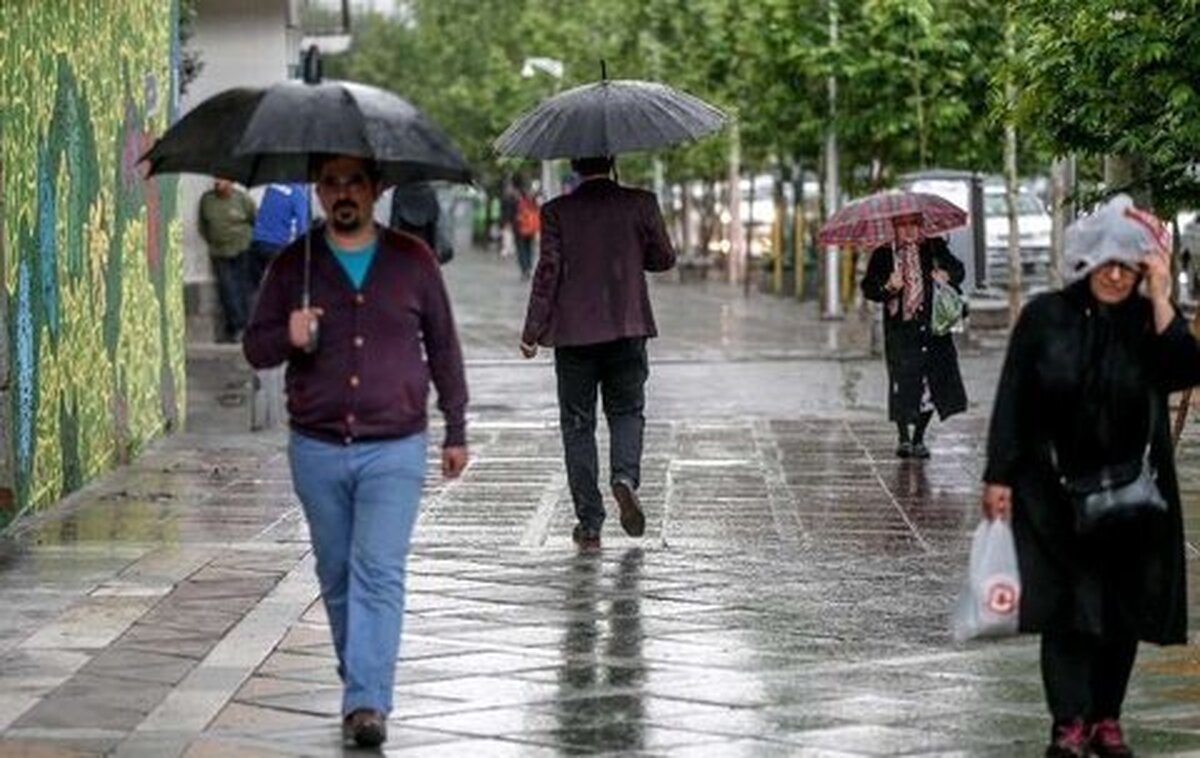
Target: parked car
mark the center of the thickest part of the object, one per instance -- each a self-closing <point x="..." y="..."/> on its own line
<point x="1033" y="224"/>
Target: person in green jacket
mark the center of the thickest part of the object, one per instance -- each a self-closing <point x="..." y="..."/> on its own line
<point x="226" y="224"/>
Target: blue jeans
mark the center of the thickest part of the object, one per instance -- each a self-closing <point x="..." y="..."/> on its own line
<point x="361" y="502"/>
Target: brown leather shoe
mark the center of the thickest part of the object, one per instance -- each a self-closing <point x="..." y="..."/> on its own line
<point x="366" y="727"/>
<point x="633" y="521"/>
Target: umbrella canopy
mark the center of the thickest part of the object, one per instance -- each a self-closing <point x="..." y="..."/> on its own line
<point x="256" y="136"/>
<point x="867" y="222"/>
<point x="607" y="118"/>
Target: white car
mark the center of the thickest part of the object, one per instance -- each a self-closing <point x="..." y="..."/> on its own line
<point x="1034" y="228"/>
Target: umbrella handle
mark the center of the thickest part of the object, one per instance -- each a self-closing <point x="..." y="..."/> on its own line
<point x="314" y="328"/>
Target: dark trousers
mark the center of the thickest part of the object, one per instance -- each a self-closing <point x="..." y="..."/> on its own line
<point x="524" y="253"/>
<point x="1085" y="676"/>
<point x="231" y="287"/>
<point x="619" y="369"/>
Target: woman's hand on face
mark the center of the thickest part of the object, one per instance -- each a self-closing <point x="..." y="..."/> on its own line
<point x="941" y="276"/>
<point x="1156" y="268"/>
<point x="997" y="501"/>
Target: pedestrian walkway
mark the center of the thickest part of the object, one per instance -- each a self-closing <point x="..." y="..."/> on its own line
<point x="790" y="596"/>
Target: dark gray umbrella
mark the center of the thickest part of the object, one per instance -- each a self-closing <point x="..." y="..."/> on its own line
<point x="256" y="136"/>
<point x="607" y="118"/>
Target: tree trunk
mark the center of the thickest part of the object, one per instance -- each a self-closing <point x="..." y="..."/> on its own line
<point x="922" y="132"/>
<point x="685" y="227"/>
<point x="736" y="239"/>
<point x="777" y="233"/>
<point x="708" y="218"/>
<point x="1062" y="177"/>
<point x="1010" y="182"/>
<point x="799" y="243"/>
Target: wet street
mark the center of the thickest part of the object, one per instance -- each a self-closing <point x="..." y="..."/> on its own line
<point x="790" y="597"/>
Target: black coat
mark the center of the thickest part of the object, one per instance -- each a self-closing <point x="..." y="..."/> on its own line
<point x="415" y="210"/>
<point x="914" y="353"/>
<point x="1084" y="379"/>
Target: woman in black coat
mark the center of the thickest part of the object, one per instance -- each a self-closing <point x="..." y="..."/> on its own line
<point x="1084" y="388"/>
<point x="923" y="373"/>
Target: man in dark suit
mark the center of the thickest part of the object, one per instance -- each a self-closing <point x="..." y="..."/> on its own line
<point x="589" y="302"/>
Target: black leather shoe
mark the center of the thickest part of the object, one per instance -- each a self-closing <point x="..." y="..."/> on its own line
<point x="920" y="451"/>
<point x="904" y="450"/>
<point x="633" y="521"/>
<point x="366" y="727"/>
<point x="585" y="540"/>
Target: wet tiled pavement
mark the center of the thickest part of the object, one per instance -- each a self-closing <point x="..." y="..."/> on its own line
<point x="790" y="596"/>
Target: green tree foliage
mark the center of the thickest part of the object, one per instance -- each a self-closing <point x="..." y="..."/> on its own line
<point x="917" y="76"/>
<point x="1117" y="77"/>
<point x="918" y="80"/>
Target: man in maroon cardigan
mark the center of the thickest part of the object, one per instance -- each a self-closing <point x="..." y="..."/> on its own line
<point x="357" y="404"/>
<point x="589" y="302"/>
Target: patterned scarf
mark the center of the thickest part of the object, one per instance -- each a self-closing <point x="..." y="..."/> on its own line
<point x="908" y="263"/>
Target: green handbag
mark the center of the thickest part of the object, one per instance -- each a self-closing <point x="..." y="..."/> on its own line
<point x="947" y="309"/>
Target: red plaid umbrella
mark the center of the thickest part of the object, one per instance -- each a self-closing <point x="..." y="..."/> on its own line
<point x="867" y="222"/>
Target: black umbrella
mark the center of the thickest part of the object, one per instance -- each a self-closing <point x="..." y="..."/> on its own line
<point x="609" y="117"/>
<point x="256" y="136"/>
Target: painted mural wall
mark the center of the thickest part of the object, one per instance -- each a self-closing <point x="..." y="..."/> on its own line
<point x="91" y="260"/>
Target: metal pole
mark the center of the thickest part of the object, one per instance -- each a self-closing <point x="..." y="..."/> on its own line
<point x="736" y="238"/>
<point x="749" y="240"/>
<point x="833" y="305"/>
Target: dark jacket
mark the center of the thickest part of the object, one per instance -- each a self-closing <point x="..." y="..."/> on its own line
<point x="589" y="286"/>
<point x="415" y="210"/>
<point x="1082" y="378"/>
<point x="379" y="346"/>
<point x="914" y="353"/>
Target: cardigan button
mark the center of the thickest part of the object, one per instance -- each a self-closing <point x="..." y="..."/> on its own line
<point x="354" y="380"/>
<point x="359" y="299"/>
<point x="358" y="340"/>
<point x="350" y="418"/>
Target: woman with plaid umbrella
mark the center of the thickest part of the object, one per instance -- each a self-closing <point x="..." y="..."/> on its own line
<point x="923" y="374"/>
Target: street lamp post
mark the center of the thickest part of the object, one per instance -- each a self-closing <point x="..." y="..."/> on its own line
<point x="553" y="68"/>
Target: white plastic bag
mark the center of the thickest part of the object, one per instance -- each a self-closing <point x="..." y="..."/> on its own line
<point x="991" y="596"/>
<point x="507" y="243"/>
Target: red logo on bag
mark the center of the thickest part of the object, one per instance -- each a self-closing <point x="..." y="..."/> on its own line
<point x="1001" y="597"/>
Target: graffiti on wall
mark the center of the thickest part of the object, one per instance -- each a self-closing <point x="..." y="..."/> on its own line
<point x="92" y="266"/>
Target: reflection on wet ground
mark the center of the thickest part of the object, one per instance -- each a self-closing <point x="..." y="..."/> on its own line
<point x="790" y="596"/>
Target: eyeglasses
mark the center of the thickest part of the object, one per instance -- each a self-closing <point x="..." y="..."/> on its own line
<point x="1124" y="268"/>
<point x="337" y="184"/>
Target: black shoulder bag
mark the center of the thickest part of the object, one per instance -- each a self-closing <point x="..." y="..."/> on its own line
<point x="1115" y="493"/>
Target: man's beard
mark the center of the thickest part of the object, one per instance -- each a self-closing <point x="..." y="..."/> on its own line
<point x="346" y="222"/>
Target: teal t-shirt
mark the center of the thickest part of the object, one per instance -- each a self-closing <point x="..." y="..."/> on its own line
<point x="355" y="261"/>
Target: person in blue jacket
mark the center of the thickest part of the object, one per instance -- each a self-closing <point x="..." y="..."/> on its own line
<point x="283" y="215"/>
